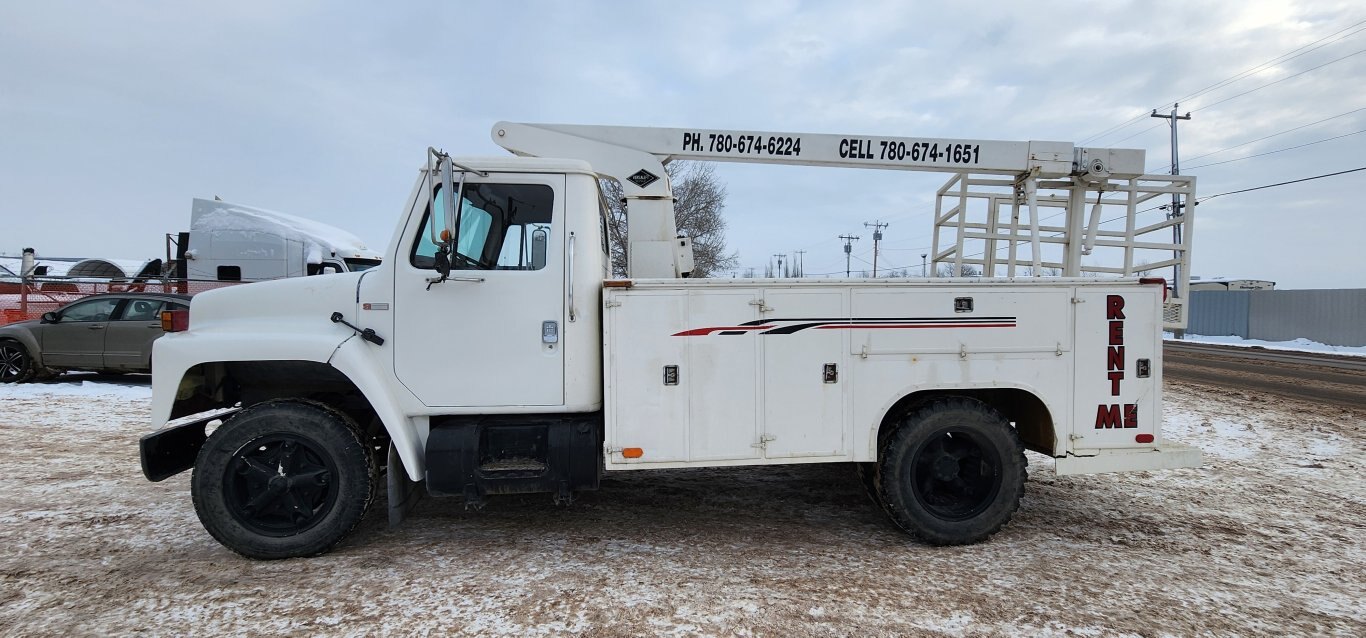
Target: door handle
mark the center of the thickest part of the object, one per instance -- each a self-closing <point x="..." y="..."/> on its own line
<point x="571" y="276"/>
<point x="95" y="327"/>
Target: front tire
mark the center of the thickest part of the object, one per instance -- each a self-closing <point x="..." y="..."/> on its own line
<point x="952" y="473"/>
<point x="16" y="366"/>
<point x="283" y="479"/>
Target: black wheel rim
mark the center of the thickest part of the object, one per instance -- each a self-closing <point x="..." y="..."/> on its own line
<point x="280" y="485"/>
<point x="956" y="475"/>
<point x="11" y="363"/>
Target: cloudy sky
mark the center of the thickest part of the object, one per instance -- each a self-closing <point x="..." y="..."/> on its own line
<point x="114" y="115"/>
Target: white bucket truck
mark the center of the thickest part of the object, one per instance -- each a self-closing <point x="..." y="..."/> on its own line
<point x="493" y="352"/>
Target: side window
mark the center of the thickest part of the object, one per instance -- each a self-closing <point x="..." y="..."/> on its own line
<point x="97" y="310"/>
<point x="141" y="310"/>
<point x="230" y="273"/>
<point x="502" y="227"/>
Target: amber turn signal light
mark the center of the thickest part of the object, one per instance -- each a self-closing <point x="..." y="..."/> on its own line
<point x="633" y="452"/>
<point x="175" y="320"/>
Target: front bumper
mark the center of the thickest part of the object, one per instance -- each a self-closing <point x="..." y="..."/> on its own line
<point x="172" y="450"/>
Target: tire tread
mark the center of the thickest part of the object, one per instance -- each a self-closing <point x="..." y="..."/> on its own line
<point x="900" y="440"/>
<point x="209" y="508"/>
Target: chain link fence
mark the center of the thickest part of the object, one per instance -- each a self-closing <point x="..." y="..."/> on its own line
<point x="20" y="301"/>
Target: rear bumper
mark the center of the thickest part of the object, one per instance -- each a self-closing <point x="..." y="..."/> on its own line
<point x="1172" y="456"/>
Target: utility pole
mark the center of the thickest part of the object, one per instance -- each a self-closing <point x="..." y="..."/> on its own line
<point x="877" y="227"/>
<point x="848" y="249"/>
<point x="800" y="263"/>
<point x="1176" y="199"/>
<point x="779" y="272"/>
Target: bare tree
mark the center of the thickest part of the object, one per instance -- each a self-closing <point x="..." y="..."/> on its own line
<point x="968" y="270"/>
<point x="699" y="199"/>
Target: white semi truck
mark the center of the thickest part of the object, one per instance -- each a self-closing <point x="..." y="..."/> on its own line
<point x="235" y="242"/>
<point x="493" y="352"/>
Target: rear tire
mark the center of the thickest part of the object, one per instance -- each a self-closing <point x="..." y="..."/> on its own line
<point x="952" y="473"/>
<point x="283" y="479"/>
<point x="16" y="366"/>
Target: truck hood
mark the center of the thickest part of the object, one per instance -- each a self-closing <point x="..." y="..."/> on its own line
<point x="267" y="305"/>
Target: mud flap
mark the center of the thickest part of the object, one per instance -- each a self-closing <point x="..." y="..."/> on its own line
<point x="403" y="492"/>
<point x="1172" y="456"/>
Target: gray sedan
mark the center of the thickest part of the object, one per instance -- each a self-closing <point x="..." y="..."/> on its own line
<point x="103" y="333"/>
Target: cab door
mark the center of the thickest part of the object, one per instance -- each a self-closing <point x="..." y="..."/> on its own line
<point x="490" y="335"/>
<point x="76" y="340"/>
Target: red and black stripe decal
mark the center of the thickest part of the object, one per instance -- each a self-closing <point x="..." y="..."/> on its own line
<point x="790" y="326"/>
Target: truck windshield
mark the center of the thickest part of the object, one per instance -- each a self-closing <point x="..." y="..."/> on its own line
<point x="502" y="227"/>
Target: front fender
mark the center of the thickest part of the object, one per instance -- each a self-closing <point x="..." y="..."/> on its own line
<point x="175" y="353"/>
<point x="26" y="339"/>
<point x="355" y="358"/>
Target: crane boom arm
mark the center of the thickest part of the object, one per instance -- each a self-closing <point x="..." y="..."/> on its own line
<point x="1043" y="158"/>
<point x="635" y="157"/>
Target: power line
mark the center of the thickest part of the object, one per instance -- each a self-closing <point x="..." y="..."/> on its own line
<point x="1288" y="77"/>
<point x="1281" y="150"/>
<point x="1265" y="137"/>
<point x="1285" y="57"/>
<point x="1138" y="133"/>
<point x="1293" y="181"/>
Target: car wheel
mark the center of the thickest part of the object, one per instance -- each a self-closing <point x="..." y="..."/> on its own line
<point x="283" y="479"/>
<point x="15" y="364"/>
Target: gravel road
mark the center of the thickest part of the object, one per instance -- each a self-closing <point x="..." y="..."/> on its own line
<point x="1266" y="538"/>
<point x="1323" y="378"/>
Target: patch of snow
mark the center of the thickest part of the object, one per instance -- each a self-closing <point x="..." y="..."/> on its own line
<point x="1299" y="345"/>
<point x="76" y="388"/>
<point x="1233" y="439"/>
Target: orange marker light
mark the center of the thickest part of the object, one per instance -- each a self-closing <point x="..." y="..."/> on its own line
<point x="633" y="452"/>
<point x="175" y="320"/>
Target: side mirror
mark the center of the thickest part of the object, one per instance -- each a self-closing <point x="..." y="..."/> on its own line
<point x="49" y="317"/>
<point x="443" y="263"/>
<point x="539" y="241"/>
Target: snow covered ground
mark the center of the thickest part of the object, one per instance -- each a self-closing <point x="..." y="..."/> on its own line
<point x="1265" y="539"/>
<point x="1301" y="345"/>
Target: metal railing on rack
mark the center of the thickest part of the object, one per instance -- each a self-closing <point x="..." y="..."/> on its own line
<point x="999" y="227"/>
